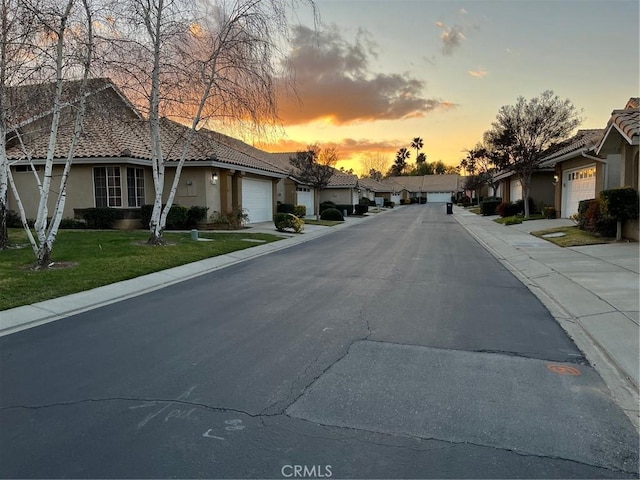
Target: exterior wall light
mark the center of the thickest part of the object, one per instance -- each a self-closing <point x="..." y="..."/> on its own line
<point x="556" y="179"/>
<point x="214" y="178"/>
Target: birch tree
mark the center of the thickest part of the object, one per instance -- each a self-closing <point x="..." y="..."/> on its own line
<point x="64" y="46"/>
<point x="522" y="132"/>
<point x="208" y="63"/>
<point x="17" y="32"/>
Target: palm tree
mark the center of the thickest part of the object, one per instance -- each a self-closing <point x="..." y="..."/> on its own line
<point x="417" y="143"/>
<point x="401" y="161"/>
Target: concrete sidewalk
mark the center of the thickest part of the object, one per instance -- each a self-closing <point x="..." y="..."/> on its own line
<point x="28" y="316"/>
<point x="592" y="291"/>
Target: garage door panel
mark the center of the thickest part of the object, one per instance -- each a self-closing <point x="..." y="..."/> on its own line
<point x="579" y="184"/>
<point x="438" y="197"/>
<point x="257" y="199"/>
<point x="306" y="198"/>
<point x="515" y="191"/>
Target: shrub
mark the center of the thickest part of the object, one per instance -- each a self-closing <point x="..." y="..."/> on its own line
<point x="519" y="205"/>
<point x="332" y="214"/>
<point x="365" y="201"/>
<point x="506" y="209"/>
<point x="196" y="215"/>
<point x="101" y="218"/>
<point x="234" y="219"/>
<point x="389" y="204"/>
<point x="488" y="207"/>
<point x="284" y="221"/>
<point x="342" y="208"/>
<point x="71" y="223"/>
<point x="549" y="212"/>
<point x="464" y="199"/>
<point x="13" y="219"/>
<point x="177" y="217"/>
<point x="362" y="209"/>
<point x="593" y="218"/>
<point x="286" y="208"/>
<point x="300" y="211"/>
<point x="620" y="203"/>
<point x="325" y="205"/>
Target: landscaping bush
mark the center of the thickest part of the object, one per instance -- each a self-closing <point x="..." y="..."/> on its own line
<point x="177" y="218"/>
<point x="389" y="204"/>
<point x="101" y="218"/>
<point x="342" y="208"/>
<point x="300" y="211"/>
<point x="13" y="219"/>
<point x="71" y="223"/>
<point x="332" y="214"/>
<point x="362" y="209"/>
<point x="366" y="201"/>
<point x="286" y="208"/>
<point x="284" y="221"/>
<point x="488" y="207"/>
<point x="512" y="221"/>
<point x="233" y="220"/>
<point x="519" y="204"/>
<point x="506" y="209"/>
<point x="326" y="205"/>
<point x="549" y="212"/>
<point x="620" y="203"/>
<point x="195" y="215"/>
<point x="593" y="218"/>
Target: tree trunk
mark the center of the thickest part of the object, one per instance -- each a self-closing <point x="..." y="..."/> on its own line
<point x="618" y="230"/>
<point x="4" y="233"/>
<point x="43" y="259"/>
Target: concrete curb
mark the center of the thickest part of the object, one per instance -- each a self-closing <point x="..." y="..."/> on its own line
<point x="613" y="366"/>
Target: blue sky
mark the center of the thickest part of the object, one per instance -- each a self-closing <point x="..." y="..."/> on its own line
<point x="379" y="72"/>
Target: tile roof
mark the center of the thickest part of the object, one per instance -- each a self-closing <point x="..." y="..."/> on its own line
<point x="627" y="122"/>
<point x="122" y="133"/>
<point x="374" y="185"/>
<point x="581" y="141"/>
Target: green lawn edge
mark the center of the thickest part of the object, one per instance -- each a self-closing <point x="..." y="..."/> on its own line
<point x="94" y="258"/>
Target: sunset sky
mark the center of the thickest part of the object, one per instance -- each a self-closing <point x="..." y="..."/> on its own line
<point x="377" y="73"/>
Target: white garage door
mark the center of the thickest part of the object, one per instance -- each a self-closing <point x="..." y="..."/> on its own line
<point x="438" y="197"/>
<point x="395" y="198"/>
<point x="257" y="199"/>
<point x="578" y="184"/>
<point x="515" y="190"/>
<point x="305" y="197"/>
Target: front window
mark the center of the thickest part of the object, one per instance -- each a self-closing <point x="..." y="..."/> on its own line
<point x="135" y="186"/>
<point x="107" y="186"/>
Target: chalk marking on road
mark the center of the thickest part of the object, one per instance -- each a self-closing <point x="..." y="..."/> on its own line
<point x="207" y="434"/>
<point x="235" y="424"/>
<point x="153" y="415"/>
<point x="180" y="414"/>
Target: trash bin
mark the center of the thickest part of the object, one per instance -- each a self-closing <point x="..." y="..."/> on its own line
<point x="449" y="208"/>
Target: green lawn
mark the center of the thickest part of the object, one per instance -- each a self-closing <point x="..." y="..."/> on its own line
<point x="103" y="257"/>
<point x="573" y="237"/>
<point x="516" y="219"/>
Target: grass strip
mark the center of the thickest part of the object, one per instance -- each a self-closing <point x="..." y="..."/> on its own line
<point x="96" y="258"/>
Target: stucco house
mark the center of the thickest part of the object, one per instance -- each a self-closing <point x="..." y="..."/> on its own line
<point x="374" y="191"/>
<point x="433" y="188"/>
<point x="541" y="189"/>
<point x="342" y="189"/>
<point x="598" y="160"/>
<point x="112" y="162"/>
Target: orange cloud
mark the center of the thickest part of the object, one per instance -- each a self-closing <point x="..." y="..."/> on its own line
<point x="478" y="73"/>
<point x="334" y="83"/>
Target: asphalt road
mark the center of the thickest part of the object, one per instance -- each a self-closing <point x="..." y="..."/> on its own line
<point x="397" y="348"/>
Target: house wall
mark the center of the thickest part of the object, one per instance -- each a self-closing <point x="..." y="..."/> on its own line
<point x="629" y="171"/>
<point x="542" y="189"/>
<point x="339" y="196"/>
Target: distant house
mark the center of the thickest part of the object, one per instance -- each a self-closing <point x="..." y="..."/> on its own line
<point x="432" y="188"/>
<point x="341" y="190"/>
<point x="541" y="189"/>
<point x="372" y="189"/>
<point x="112" y="162"/>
